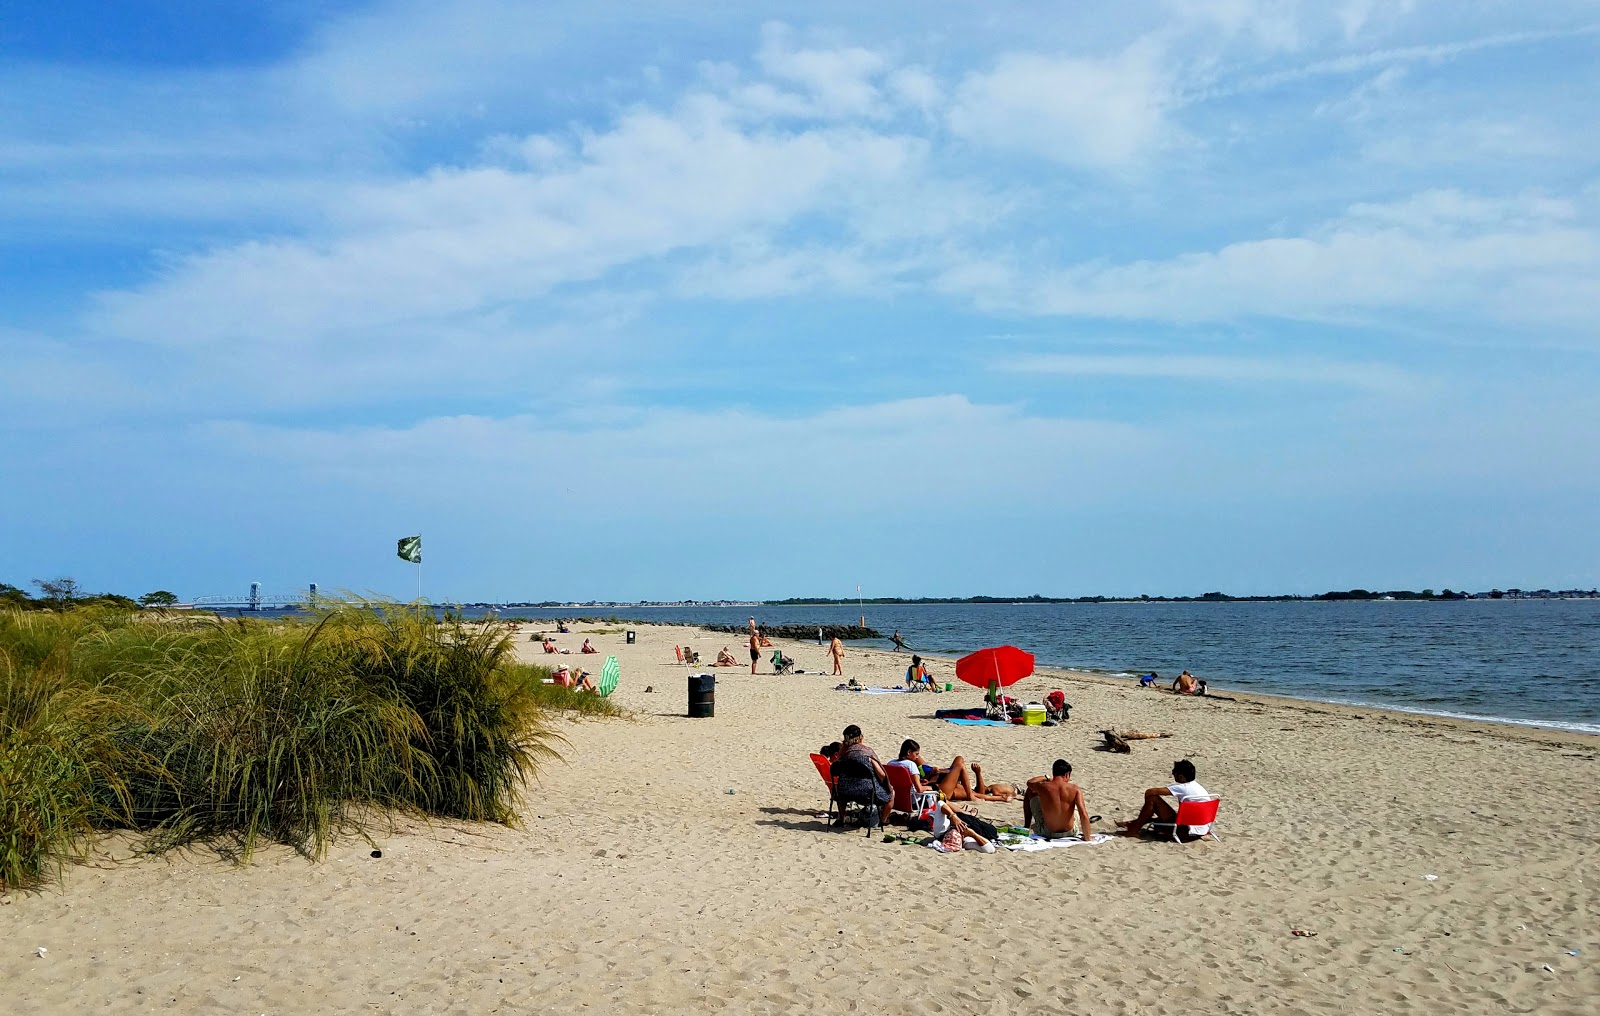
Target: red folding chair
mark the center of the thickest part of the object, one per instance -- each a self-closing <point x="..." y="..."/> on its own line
<point x="825" y="770"/>
<point x="906" y="798"/>
<point x="1197" y="811"/>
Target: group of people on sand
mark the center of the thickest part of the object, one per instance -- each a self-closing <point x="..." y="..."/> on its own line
<point x="1184" y="684"/>
<point x="551" y="647"/>
<point x="1053" y="806"/>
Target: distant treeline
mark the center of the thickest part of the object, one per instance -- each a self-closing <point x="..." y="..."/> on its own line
<point x="1214" y="597"/>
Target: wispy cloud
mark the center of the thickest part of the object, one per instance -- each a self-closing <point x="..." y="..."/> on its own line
<point x="1374" y="377"/>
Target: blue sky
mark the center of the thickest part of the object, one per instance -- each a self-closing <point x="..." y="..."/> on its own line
<point x="667" y="301"/>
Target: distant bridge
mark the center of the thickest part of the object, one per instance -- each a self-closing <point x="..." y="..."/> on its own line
<point x="255" y="599"/>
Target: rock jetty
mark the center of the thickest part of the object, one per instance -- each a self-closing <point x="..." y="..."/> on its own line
<point x="808" y="632"/>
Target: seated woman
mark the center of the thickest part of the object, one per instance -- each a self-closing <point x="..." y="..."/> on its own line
<point x="587" y="648"/>
<point x="725" y="659"/>
<point x="853" y="748"/>
<point x="563" y="629"/>
<point x="563" y="676"/>
<point x="957" y="783"/>
<point x="918" y="678"/>
<point x="583" y="682"/>
<point x="766" y="643"/>
<point x="550" y="646"/>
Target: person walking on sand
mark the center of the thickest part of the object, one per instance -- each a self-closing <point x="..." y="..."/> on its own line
<point x="899" y="643"/>
<point x="1052" y="805"/>
<point x="836" y="650"/>
<point x="755" y="646"/>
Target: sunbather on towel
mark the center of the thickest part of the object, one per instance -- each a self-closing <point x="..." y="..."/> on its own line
<point x="587" y="648"/>
<point x="550" y="646"/>
<point x="1053" y="803"/>
<point x="952" y="830"/>
<point x="725" y="659"/>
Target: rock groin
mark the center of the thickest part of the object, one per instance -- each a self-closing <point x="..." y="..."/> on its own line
<point x="807" y="632"/>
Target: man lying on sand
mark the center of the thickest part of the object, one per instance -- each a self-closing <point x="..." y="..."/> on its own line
<point x="1053" y="803"/>
<point x="1156" y="808"/>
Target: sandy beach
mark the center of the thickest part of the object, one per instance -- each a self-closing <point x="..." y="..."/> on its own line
<point x="684" y="865"/>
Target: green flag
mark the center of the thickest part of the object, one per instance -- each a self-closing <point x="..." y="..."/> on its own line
<point x="410" y="549"/>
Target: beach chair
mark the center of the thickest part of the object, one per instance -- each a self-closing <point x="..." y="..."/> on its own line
<point x="1193" y="812"/>
<point x="782" y="664"/>
<point x="610" y="674"/>
<point x="825" y="770"/>
<point x="906" y="797"/>
<point x="856" y="786"/>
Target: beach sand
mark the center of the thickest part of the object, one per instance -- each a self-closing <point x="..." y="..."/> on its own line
<point x="641" y="884"/>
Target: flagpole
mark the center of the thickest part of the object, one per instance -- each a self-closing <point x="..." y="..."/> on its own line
<point x="419" y="568"/>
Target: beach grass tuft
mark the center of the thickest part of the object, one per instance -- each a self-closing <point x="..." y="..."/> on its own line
<point x="240" y="732"/>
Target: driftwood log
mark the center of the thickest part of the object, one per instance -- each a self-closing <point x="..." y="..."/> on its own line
<point x="1141" y="735"/>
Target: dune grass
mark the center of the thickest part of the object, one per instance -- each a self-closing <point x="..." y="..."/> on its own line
<point x="242" y="732"/>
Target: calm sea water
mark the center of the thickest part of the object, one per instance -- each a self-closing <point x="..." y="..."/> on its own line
<point x="1514" y="661"/>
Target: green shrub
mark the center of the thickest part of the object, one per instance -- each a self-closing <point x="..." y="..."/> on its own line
<point x="245" y="731"/>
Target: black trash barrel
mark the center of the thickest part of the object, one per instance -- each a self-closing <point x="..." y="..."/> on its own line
<point x="702" y="695"/>
<point x="630" y="635"/>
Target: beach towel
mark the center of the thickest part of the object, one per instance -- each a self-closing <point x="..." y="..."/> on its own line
<point x="1033" y="844"/>
<point x="873" y="691"/>
<point x="981" y="723"/>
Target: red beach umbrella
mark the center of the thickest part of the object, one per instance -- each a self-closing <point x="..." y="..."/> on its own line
<point x="1006" y="664"/>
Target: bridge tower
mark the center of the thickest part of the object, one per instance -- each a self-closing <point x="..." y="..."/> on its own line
<point x="255" y="596"/>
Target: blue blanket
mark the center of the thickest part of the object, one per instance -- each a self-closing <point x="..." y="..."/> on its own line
<point x="980" y="723"/>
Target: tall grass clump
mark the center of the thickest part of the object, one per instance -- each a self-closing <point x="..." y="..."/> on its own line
<point x="62" y="770"/>
<point x="482" y="733"/>
<point x="243" y="732"/>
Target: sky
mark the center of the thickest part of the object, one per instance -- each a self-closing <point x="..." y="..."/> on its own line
<point x="691" y="300"/>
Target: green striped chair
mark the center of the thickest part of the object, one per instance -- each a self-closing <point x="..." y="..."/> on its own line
<point x="610" y="674"/>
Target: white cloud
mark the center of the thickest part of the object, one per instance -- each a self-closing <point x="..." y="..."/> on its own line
<point x="455" y="241"/>
<point x="1525" y="260"/>
<point x="656" y="461"/>
<point x="1086" y="112"/>
<point x="1373" y="377"/>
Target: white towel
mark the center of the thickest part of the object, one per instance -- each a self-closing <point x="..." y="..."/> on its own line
<point x="1033" y="843"/>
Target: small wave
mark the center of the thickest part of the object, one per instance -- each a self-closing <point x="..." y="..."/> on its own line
<point x="1511" y="721"/>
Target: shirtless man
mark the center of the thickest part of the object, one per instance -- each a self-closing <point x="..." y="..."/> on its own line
<point x="755" y="646"/>
<point x="836" y="650"/>
<point x="1186" y="684"/>
<point x="725" y="659"/>
<point x="1048" y="807"/>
